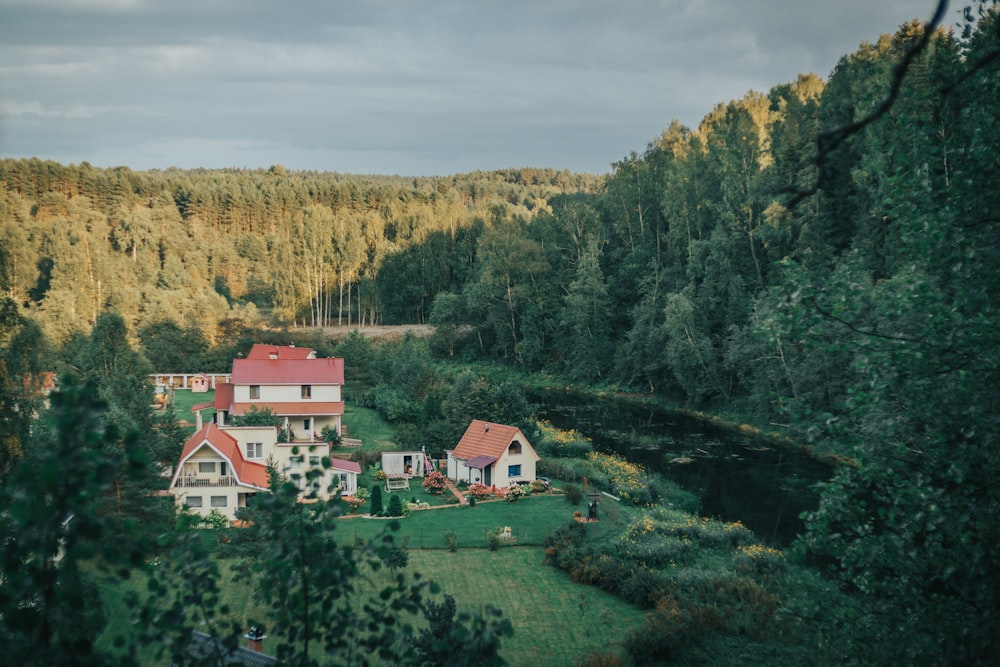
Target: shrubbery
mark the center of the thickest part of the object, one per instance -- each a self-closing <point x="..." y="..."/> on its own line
<point x="480" y="491"/>
<point x="435" y="482"/>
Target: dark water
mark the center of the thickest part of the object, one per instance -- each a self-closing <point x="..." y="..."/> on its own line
<point x="738" y="478"/>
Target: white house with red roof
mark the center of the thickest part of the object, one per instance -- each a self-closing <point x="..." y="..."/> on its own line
<point x="221" y="467"/>
<point x="493" y="454"/>
<point x="222" y="464"/>
<point x="290" y="381"/>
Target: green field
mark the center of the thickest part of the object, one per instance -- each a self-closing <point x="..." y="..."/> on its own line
<point x="555" y="620"/>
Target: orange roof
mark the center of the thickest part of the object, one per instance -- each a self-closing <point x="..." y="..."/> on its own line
<point x="246" y="472"/>
<point x="288" y="371"/>
<point x="291" y="408"/>
<point x="487" y="439"/>
<point x="265" y="351"/>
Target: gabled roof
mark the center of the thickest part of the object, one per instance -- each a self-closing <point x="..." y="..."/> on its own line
<point x="344" y="464"/>
<point x="291" y="408"/>
<point x="488" y="440"/>
<point x="288" y="371"/>
<point x="246" y="472"/>
<point x="283" y="352"/>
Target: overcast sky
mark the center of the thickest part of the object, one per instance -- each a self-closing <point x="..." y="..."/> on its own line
<point x="410" y="87"/>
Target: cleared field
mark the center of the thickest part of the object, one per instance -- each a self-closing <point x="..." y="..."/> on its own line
<point x="555" y="620"/>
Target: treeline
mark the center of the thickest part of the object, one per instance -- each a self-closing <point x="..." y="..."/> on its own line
<point x="199" y="247"/>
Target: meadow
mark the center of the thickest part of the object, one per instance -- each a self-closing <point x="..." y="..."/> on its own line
<point x="554" y="618"/>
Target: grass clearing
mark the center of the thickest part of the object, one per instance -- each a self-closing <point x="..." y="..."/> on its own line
<point x="368" y="426"/>
<point x="530" y="520"/>
<point x="556" y="621"/>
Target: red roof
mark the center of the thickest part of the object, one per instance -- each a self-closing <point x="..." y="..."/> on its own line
<point x="487" y="439"/>
<point x="291" y="408"/>
<point x="265" y="351"/>
<point x="343" y="464"/>
<point x="202" y="406"/>
<point x="223" y="395"/>
<point x="246" y="472"/>
<point x="288" y="371"/>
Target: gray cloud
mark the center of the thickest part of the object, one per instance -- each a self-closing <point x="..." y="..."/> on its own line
<point x="428" y="87"/>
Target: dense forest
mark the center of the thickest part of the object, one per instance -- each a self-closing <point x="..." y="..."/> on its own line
<point x="821" y="258"/>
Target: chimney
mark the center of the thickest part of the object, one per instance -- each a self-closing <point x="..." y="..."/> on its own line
<point x="255" y="639"/>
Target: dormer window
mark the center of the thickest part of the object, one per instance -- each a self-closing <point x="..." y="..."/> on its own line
<point x="515" y="448"/>
<point x="254" y="391"/>
<point x="307" y="391"/>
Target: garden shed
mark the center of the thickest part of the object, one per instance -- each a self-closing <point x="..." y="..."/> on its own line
<point x="412" y="464"/>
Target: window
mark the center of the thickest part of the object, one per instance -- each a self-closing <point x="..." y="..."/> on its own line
<point x="515" y="448"/>
<point x="254" y="391"/>
<point x="206" y="466"/>
<point x="307" y="391"/>
<point x="255" y="450"/>
<point x="313" y="461"/>
<point x="220" y="501"/>
<point x="306" y="424"/>
<point x="514" y="471"/>
<point x="193" y="501"/>
<point x="294" y="461"/>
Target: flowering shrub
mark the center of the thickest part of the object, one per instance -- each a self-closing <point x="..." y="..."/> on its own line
<point x="758" y="559"/>
<point x="627" y="479"/>
<point x="480" y="491"/>
<point x="561" y="443"/>
<point x="513" y="493"/>
<point x="435" y="482"/>
<point x="357" y="500"/>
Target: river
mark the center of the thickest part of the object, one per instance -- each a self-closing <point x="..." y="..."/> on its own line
<point x="737" y="477"/>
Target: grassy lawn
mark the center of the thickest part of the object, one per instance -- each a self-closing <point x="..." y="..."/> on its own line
<point x="530" y="520"/>
<point x="182" y="400"/>
<point x="556" y="621"/>
<point x="368" y="426"/>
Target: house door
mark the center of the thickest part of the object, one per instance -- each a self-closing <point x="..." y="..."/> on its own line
<point x="222" y="469"/>
<point x="488" y="475"/>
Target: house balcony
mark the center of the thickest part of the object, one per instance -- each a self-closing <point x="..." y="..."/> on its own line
<point x="192" y="481"/>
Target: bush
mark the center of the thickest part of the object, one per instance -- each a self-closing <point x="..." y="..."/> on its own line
<point x="452" y="540"/>
<point x="574" y="494"/>
<point x="480" y="491"/>
<point x="376" y="507"/>
<point x="215" y="520"/>
<point x="435" y="482"/>
<point x="395" y="507"/>
<point x="492" y="540"/>
<point x="514" y="493"/>
<point x="330" y="435"/>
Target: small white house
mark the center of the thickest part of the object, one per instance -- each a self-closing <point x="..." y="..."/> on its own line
<point x="345" y="476"/>
<point x="492" y="454"/>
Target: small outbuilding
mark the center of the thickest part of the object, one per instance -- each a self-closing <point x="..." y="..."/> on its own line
<point x="200" y="383"/>
<point x="409" y="464"/>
